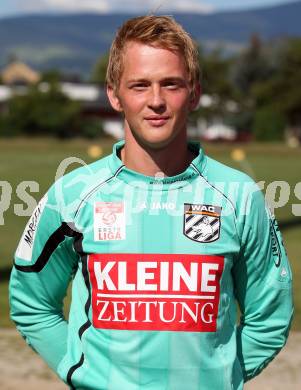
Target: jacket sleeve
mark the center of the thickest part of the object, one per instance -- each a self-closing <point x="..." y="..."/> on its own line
<point x="263" y="288"/>
<point x="44" y="264"/>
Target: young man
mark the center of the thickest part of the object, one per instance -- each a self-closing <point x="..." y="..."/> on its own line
<point x="161" y="242"/>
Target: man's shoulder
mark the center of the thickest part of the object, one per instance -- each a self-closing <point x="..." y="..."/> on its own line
<point x="86" y="173"/>
<point x="236" y="186"/>
<point x="72" y="187"/>
<point x="219" y="172"/>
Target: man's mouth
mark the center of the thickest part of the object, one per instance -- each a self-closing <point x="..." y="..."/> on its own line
<point x="157" y="120"/>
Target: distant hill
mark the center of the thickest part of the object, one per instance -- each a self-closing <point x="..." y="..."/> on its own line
<point x="73" y="42"/>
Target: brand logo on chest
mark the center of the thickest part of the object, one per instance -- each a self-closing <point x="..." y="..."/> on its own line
<point x="161" y="292"/>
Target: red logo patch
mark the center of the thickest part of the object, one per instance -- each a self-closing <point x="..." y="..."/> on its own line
<point x="165" y="292"/>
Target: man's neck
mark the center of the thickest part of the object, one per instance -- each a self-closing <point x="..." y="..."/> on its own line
<point x="168" y="161"/>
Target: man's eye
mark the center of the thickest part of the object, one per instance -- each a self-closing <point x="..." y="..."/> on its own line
<point x="171" y="86"/>
<point x="139" y="87"/>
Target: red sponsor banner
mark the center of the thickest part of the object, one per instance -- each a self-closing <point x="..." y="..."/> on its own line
<point x="163" y="292"/>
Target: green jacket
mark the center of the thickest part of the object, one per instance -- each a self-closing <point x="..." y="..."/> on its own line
<point x="158" y="266"/>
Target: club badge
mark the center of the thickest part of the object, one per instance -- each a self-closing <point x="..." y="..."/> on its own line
<point x="202" y="222"/>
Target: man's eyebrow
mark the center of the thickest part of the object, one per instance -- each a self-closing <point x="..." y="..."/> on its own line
<point x="164" y="80"/>
<point x="138" y="81"/>
<point x="174" y="79"/>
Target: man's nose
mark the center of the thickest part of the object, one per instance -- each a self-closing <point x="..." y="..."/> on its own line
<point x="156" y="100"/>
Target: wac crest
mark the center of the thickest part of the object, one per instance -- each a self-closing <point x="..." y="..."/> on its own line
<point x="202" y="222"/>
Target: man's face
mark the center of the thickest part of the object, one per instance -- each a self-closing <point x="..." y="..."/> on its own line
<point x="154" y="94"/>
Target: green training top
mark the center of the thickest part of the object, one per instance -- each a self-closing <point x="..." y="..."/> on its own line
<point x="157" y="265"/>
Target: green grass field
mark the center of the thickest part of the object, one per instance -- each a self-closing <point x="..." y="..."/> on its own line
<point x="38" y="159"/>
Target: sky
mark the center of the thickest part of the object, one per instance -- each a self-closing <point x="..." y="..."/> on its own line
<point x="17" y="7"/>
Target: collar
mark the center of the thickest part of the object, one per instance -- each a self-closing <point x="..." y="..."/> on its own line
<point x="137" y="179"/>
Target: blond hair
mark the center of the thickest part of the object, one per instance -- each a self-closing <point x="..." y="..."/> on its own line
<point x="158" y="31"/>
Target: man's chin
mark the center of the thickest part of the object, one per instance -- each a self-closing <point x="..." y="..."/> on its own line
<point x="153" y="142"/>
<point x="156" y="144"/>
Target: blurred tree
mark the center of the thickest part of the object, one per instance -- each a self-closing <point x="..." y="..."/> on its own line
<point x="252" y="66"/>
<point x="92" y="128"/>
<point x="215" y="82"/>
<point x="268" y="124"/>
<point x="215" y="74"/>
<point x="100" y="69"/>
<point x="242" y="121"/>
<point x="51" y="76"/>
<point x="282" y="91"/>
<point x="43" y="111"/>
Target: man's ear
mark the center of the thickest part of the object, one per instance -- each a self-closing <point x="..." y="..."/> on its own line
<point x="195" y="97"/>
<point x="114" y="99"/>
